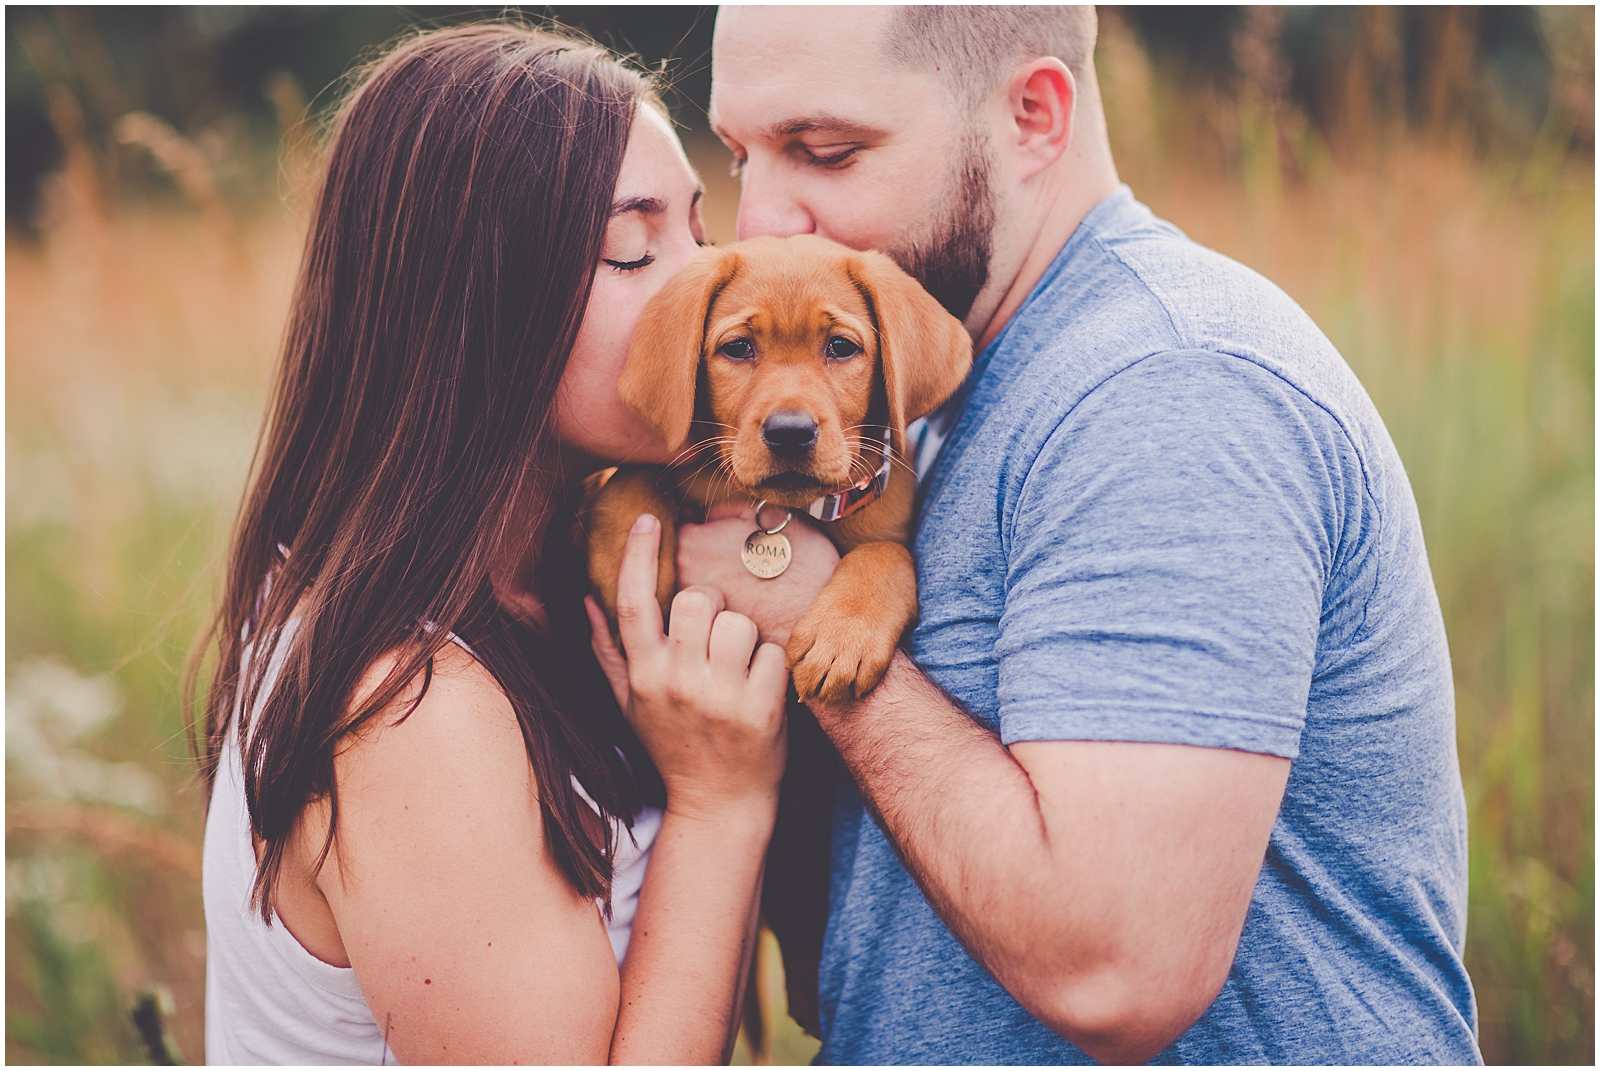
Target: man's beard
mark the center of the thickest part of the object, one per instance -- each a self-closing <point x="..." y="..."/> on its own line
<point x="951" y="257"/>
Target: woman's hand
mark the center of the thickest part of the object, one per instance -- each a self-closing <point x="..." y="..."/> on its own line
<point x="712" y="718"/>
<point x="710" y="714"/>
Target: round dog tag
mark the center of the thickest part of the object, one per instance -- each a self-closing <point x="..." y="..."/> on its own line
<point x="766" y="554"/>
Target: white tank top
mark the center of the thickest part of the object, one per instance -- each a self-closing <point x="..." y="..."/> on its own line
<point x="268" y="1000"/>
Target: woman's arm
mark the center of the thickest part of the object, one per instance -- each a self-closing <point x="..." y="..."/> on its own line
<point x="469" y="943"/>
<point x="713" y="723"/>
<point x="692" y="941"/>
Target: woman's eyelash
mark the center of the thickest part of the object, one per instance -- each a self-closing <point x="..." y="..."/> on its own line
<point x="630" y="265"/>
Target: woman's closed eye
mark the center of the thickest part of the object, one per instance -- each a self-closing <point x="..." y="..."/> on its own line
<point x="631" y="265"/>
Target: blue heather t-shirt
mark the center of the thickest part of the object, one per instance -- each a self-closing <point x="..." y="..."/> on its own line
<point x="1168" y="512"/>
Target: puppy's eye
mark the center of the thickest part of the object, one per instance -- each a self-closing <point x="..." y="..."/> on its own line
<point x="740" y="349"/>
<point x="842" y="349"/>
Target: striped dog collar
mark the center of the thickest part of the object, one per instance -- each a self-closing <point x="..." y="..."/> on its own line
<point x="841" y="504"/>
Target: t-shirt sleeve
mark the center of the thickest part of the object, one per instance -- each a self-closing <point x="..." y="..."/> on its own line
<point x="1168" y="552"/>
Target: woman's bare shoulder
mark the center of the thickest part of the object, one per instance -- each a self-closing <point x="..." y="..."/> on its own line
<point x="462" y="737"/>
<point x="455" y="916"/>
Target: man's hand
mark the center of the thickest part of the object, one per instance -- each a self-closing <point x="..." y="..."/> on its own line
<point x="709" y="554"/>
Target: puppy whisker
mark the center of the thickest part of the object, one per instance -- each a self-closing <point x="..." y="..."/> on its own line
<point x="725" y="474"/>
<point x="871" y="464"/>
<point x="687" y="453"/>
<point x="715" y="463"/>
<point x="717" y="424"/>
<point x="712" y="461"/>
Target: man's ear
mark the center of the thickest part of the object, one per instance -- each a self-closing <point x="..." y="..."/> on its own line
<point x="658" y="381"/>
<point x="925" y="353"/>
<point x="1041" y="96"/>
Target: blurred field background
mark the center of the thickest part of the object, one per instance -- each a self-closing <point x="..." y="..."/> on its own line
<point x="1421" y="180"/>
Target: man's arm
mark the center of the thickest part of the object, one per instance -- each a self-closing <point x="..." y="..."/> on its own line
<point x="1103" y="884"/>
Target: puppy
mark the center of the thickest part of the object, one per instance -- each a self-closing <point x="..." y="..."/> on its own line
<point x="787" y="369"/>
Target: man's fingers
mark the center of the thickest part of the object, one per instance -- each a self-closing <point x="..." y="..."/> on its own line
<point x="733" y="637"/>
<point x="769" y="670"/>
<point x="638" y="613"/>
<point x="693" y="611"/>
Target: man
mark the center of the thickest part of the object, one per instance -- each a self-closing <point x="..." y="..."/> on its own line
<point x="1170" y="772"/>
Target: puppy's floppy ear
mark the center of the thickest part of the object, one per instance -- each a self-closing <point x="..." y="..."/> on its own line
<point x="924" y="351"/>
<point x="658" y="381"/>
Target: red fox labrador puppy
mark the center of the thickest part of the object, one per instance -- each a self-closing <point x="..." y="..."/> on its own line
<point x="787" y="369"/>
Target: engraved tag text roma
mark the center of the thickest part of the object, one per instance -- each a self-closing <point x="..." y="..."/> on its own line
<point x="766" y="554"/>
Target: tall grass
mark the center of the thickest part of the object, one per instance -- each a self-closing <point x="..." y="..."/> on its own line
<point x="138" y="348"/>
<point x="140" y="335"/>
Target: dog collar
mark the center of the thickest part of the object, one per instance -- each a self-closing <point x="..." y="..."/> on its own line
<point x="841" y="504"/>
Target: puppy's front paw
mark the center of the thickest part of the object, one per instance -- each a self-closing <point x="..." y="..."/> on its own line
<point x="837" y="655"/>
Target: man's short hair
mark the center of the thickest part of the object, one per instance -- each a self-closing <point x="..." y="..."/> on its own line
<point x="974" y="47"/>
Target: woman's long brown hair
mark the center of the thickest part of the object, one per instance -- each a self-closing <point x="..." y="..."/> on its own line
<point x="408" y="463"/>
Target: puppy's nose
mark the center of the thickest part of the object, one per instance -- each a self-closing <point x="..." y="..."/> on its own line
<point x="789" y="434"/>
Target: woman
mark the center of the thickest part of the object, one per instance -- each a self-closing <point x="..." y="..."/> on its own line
<point x="413" y="836"/>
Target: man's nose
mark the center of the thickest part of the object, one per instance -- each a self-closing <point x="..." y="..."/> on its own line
<point x="767" y="209"/>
